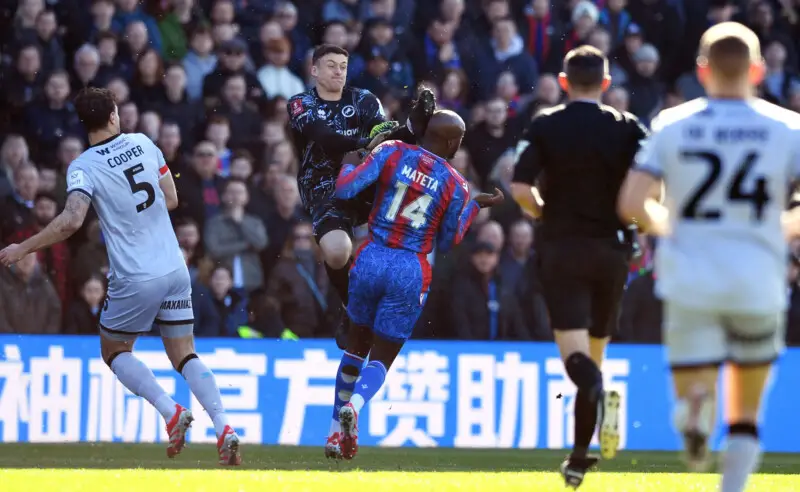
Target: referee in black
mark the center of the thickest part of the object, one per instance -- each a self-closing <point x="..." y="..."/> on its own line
<point x="574" y="161"/>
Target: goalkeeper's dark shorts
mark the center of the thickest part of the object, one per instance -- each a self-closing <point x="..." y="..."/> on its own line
<point x="330" y="214"/>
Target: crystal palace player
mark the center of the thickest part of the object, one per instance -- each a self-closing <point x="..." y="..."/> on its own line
<point x="327" y="122"/>
<point x="420" y="202"/>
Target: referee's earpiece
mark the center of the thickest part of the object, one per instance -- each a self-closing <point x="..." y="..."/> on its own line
<point x="562" y="82"/>
<point x="757" y="72"/>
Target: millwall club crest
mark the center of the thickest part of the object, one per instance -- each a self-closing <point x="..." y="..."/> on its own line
<point x="348" y="111"/>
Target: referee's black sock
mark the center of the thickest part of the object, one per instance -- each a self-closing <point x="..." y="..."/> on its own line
<point x="587" y="377"/>
<point x="340" y="279"/>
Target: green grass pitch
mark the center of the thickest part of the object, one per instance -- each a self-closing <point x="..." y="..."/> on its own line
<point x="145" y="468"/>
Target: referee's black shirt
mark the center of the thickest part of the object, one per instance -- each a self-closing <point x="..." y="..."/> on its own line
<point x="581" y="152"/>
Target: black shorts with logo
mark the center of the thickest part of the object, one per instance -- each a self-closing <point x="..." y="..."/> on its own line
<point x="583" y="280"/>
<point x="330" y="214"/>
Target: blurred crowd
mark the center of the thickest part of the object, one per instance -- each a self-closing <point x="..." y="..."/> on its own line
<point x="208" y="80"/>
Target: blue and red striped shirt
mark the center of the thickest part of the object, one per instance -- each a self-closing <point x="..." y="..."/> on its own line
<point x="420" y="202"/>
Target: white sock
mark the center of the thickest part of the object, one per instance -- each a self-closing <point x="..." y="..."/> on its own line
<point x="204" y="387"/>
<point x="138" y="378"/>
<point x="335" y="427"/>
<point x="741" y="459"/>
<point x="358" y="402"/>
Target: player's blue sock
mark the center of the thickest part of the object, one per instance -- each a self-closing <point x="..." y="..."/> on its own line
<point x="371" y="380"/>
<point x="346" y="375"/>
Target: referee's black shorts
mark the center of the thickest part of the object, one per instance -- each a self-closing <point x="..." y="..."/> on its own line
<point x="583" y="281"/>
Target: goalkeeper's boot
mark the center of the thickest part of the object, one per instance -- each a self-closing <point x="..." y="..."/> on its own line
<point x="348" y="418"/>
<point x="608" y="423"/>
<point x="694" y="418"/>
<point x="177" y="427"/>
<point x="228" y="448"/>
<point x="573" y="469"/>
<point x="421" y="112"/>
<point x="333" y="449"/>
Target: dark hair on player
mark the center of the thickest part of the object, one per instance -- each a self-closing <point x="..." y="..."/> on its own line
<point x="327" y="49"/>
<point x="585" y="67"/>
<point x="95" y="107"/>
<point x="729" y="49"/>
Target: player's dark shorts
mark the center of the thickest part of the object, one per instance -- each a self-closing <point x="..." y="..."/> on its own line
<point x="329" y="214"/>
<point x="583" y="281"/>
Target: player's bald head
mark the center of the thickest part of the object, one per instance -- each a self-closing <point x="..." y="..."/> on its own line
<point x="444" y="133"/>
<point x="729" y="50"/>
<point x="446" y="125"/>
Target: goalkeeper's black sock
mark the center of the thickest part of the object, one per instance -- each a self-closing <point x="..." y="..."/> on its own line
<point x="340" y="279"/>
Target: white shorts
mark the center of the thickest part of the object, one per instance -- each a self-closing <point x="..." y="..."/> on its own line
<point x="697" y="337"/>
<point x="131" y="308"/>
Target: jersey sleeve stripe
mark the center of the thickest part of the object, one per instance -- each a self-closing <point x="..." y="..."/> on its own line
<point x="163" y="170"/>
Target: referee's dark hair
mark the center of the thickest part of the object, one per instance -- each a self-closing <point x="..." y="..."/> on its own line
<point x="585" y="68"/>
<point x="327" y="49"/>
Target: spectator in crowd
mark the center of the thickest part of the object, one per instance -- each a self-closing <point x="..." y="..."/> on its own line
<point x="279" y="218"/>
<point x="488" y="140"/>
<point x="287" y="16"/>
<point x="85" y="68"/>
<point x="218" y="132"/>
<point x="297" y="289"/>
<point x="111" y="65"/>
<point x="616" y="19"/>
<point x="544" y="36"/>
<point x="182" y="18"/>
<point x="618" y="98"/>
<point x="220" y="309"/>
<point x="136" y="42"/>
<point x="518" y="252"/>
<point x="242" y="166"/>
<point x="509" y="54"/>
<point x="455" y="92"/>
<point x="188" y="235"/>
<point x="234" y="238"/>
<point x="601" y="39"/>
<point x="16" y="211"/>
<point x="149" y="124"/>
<point x="480" y="308"/>
<point x="148" y="78"/>
<point x="129" y="12"/>
<point x="13" y="154"/>
<point x="55" y="259"/>
<point x="200" y="186"/>
<point x="22" y="85"/>
<point x="129" y="117"/>
<point x="48" y="121"/>
<point x="46" y="37"/>
<point x="778" y="79"/>
<point x="275" y="77"/>
<point x="169" y="142"/>
<point x="83" y="313"/>
<point x="231" y="61"/>
<point x="69" y="148"/>
<point x="176" y="106"/>
<point x="199" y="61"/>
<point x="102" y="13"/>
<point x="645" y="89"/>
<point x="244" y="122"/>
<point x="28" y="301"/>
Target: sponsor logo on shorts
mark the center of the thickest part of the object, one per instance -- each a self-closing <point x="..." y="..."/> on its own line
<point x="179" y="304"/>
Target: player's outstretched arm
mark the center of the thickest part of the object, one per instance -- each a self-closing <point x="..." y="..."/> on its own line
<point x="457" y="219"/>
<point x="62" y="227"/>
<point x="353" y="180"/>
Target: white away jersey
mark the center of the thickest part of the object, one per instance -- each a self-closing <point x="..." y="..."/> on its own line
<point x="121" y="176"/>
<point x="727" y="166"/>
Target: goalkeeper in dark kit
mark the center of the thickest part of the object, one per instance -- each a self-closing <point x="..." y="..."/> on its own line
<point x="328" y="122"/>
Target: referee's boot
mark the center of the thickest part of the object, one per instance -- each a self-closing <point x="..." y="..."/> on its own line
<point x="421" y="111"/>
<point x="574" y="468"/>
